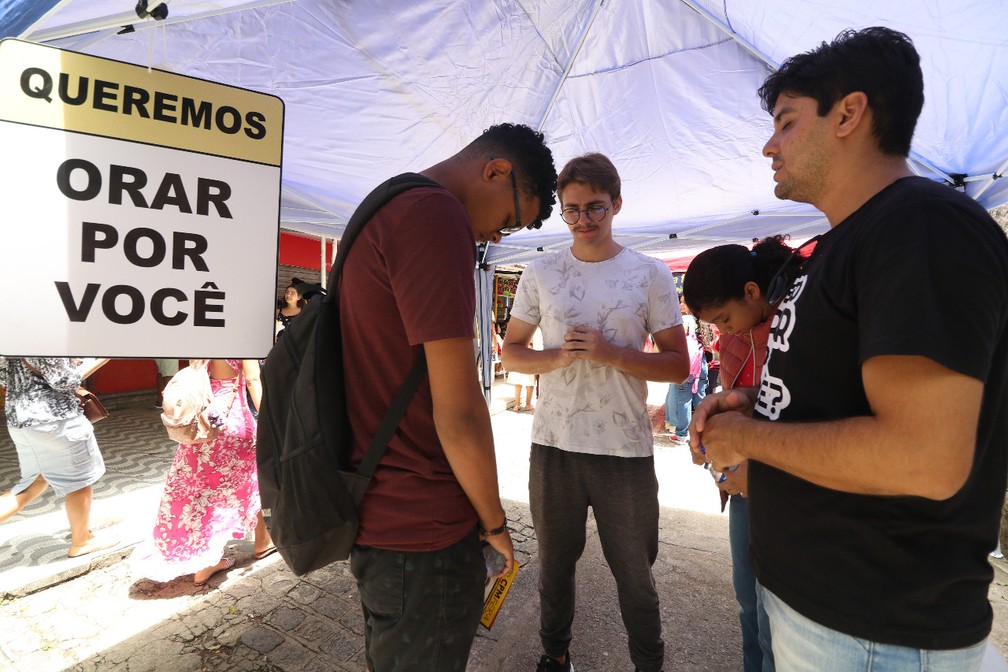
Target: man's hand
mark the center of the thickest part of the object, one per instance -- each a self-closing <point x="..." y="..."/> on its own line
<point x="736" y="482"/>
<point x="736" y="401"/>
<point x="583" y="342"/>
<point x="562" y="358"/>
<point x="503" y="544"/>
<point x="721" y="441"/>
<point x="516" y="355"/>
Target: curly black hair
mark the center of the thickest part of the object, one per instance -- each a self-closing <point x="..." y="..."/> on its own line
<point x="533" y="161"/>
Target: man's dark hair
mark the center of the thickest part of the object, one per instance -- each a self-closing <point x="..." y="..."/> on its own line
<point x="719" y="274"/>
<point x="880" y="62"/>
<point x="593" y="169"/>
<point x="530" y="158"/>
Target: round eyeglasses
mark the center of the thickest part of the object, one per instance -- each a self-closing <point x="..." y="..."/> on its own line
<point x="593" y="212"/>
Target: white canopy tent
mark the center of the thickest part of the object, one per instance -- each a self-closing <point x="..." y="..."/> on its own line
<point x="666" y="88"/>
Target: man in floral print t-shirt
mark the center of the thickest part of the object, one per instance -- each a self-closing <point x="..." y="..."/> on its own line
<point x="595" y="303"/>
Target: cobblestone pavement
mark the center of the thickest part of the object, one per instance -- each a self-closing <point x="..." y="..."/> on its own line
<point x="91" y="614"/>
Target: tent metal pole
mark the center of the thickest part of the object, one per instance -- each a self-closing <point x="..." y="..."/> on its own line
<point x="525" y="253"/>
<point x="745" y="44"/>
<point x="921" y="161"/>
<point x="131" y="19"/>
<point x="322" y="260"/>
<point x="775" y="65"/>
<point x="484" y="302"/>
<point x="332" y="262"/>
<point x="308" y="199"/>
<point x="997" y="174"/>
<point x="312" y="202"/>
<point x="52" y="11"/>
<point x="317" y="221"/>
<point x="687" y="235"/>
<point x="570" y="64"/>
<point x="95" y="38"/>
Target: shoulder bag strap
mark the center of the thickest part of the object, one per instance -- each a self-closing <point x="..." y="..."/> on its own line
<point x="32" y="369"/>
<point x="35" y="371"/>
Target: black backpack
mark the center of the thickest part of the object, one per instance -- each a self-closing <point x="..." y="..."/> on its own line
<point x="303" y="444"/>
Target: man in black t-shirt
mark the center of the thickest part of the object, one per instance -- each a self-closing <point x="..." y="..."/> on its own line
<point x="876" y="443"/>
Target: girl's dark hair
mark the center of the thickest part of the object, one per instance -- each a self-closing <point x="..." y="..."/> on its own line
<point x="719" y="275"/>
<point x="295" y="284"/>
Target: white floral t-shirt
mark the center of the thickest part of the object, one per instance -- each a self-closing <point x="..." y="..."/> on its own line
<point x="588" y="407"/>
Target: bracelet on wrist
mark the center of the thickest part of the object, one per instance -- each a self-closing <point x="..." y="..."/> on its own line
<point x="497" y="530"/>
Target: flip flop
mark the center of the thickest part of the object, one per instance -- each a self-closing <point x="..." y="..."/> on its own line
<point x="228" y="564"/>
<point x="92" y="545"/>
<point x="266" y="552"/>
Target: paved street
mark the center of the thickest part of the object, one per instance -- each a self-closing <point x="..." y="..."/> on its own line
<point x="92" y="614"/>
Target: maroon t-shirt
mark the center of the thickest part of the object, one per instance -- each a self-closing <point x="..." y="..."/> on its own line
<point x="408" y="280"/>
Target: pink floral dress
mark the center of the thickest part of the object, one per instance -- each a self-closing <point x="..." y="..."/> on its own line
<point x="211" y="495"/>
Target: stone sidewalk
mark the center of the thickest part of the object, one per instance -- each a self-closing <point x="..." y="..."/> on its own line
<point x="91" y="614"/>
<point x="260" y="617"/>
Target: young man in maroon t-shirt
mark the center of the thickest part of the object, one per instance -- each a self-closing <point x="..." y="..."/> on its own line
<point x="408" y="288"/>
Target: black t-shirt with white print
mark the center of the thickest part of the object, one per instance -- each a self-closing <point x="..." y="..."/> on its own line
<point x="918" y="270"/>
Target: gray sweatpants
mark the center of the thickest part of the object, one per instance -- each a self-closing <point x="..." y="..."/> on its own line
<point x="623" y="494"/>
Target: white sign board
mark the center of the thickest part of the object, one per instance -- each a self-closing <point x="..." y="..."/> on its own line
<point x="139" y="210"/>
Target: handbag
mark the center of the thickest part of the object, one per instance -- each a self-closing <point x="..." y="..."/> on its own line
<point x="91" y="405"/>
<point x="187" y="402"/>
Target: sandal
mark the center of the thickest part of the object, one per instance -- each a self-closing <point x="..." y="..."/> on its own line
<point x="266" y="552"/>
<point x="91" y="545"/>
<point x="228" y="564"/>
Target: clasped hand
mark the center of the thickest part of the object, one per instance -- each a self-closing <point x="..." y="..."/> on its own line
<point x="583" y="342"/>
<point x="713" y="432"/>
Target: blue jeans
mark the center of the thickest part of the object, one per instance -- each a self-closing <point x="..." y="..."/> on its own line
<point x="702" y="381"/>
<point x="802" y="645"/>
<point x="421" y="609"/>
<point x="679" y="408"/>
<point x="757" y="655"/>
<point x="680" y="401"/>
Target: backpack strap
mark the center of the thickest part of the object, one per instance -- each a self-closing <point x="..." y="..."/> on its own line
<point x="388" y="426"/>
<point x="371" y="204"/>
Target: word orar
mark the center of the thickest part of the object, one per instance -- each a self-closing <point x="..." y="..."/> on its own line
<point x="128" y="181"/>
<point x="206" y="301"/>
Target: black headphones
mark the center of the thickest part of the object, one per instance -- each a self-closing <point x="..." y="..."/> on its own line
<point x="779" y="283"/>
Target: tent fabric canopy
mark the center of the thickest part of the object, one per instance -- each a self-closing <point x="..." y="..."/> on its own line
<point x="666" y="89"/>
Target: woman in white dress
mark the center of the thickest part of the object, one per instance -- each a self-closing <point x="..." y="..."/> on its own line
<point x="525" y="380"/>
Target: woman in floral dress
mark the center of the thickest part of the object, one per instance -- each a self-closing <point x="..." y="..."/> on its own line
<point x="212" y="492"/>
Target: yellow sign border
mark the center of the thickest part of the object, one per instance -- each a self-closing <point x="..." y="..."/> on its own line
<point x="56" y="88"/>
